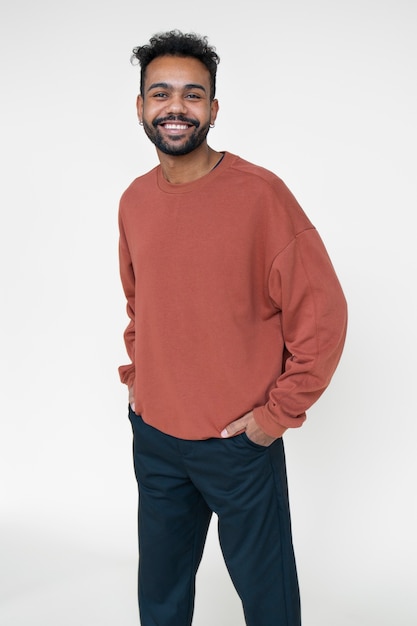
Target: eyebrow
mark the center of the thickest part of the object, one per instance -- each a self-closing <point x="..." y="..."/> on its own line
<point x="168" y="86"/>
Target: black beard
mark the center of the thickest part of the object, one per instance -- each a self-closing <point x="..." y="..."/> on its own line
<point x="196" y="139"/>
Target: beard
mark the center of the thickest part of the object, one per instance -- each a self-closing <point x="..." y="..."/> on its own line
<point x="176" y="146"/>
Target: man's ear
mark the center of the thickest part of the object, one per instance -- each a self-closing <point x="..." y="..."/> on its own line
<point x="139" y="108"/>
<point x="214" y="110"/>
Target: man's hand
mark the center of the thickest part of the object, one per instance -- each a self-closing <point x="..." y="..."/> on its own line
<point x="253" y="431"/>
<point x="132" y="399"/>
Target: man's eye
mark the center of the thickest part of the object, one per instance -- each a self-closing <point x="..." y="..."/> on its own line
<point x="193" y="96"/>
<point x="159" y="95"/>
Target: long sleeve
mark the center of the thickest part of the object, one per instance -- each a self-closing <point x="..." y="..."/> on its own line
<point x="127" y="372"/>
<point x="307" y="294"/>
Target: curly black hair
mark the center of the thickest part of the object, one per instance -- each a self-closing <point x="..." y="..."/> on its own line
<point x="176" y="43"/>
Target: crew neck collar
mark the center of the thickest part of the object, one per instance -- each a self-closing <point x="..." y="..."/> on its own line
<point x="168" y="187"/>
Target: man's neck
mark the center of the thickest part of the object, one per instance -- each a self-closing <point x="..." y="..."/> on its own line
<point x="188" y="167"/>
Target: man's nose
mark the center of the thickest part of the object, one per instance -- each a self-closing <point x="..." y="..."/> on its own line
<point x="176" y="105"/>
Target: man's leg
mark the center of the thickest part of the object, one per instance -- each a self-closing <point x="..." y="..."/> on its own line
<point x="246" y="485"/>
<point x="173" y="524"/>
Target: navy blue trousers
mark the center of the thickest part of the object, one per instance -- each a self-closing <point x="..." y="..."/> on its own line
<point x="181" y="483"/>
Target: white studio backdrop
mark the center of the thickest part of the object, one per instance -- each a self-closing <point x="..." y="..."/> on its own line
<point x="324" y="94"/>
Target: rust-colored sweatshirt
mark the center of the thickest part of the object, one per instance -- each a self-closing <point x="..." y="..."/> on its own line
<point x="233" y="302"/>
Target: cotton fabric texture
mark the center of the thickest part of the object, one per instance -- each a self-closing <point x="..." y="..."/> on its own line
<point x="234" y="304"/>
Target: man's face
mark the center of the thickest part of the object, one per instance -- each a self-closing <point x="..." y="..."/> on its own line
<point x="175" y="108"/>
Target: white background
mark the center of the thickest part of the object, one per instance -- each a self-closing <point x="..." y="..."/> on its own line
<point x="324" y="94"/>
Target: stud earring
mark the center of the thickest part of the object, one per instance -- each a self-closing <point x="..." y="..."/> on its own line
<point x="140" y="123"/>
<point x="212" y="125"/>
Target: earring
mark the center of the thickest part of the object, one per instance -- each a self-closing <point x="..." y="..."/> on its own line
<point x="140" y="123"/>
<point x="212" y="125"/>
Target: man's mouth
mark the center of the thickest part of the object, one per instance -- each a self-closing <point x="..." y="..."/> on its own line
<point x="175" y="125"/>
<point x="172" y="126"/>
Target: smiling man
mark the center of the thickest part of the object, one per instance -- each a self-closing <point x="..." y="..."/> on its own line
<point x="237" y="324"/>
<point x="175" y="133"/>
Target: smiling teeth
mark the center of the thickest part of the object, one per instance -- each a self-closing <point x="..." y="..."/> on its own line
<point x="176" y="126"/>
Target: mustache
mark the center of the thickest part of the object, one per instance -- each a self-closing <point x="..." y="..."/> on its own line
<point x="175" y="118"/>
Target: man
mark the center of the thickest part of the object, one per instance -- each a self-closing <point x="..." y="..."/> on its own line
<point x="237" y="323"/>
